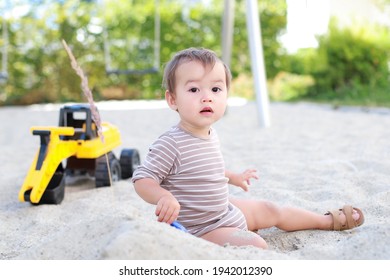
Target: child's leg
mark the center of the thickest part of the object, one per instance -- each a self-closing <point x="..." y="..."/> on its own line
<point x="235" y="237"/>
<point x="263" y="214"/>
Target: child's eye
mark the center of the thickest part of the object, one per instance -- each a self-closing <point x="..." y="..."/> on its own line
<point x="216" y="89"/>
<point x="193" y="90"/>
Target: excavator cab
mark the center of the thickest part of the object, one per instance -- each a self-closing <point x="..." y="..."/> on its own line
<point x="80" y="118"/>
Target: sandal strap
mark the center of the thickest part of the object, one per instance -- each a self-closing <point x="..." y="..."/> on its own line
<point x="336" y="220"/>
<point x="350" y="222"/>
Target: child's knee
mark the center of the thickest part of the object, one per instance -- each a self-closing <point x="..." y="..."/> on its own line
<point x="235" y="237"/>
<point x="260" y="243"/>
<point x="252" y="238"/>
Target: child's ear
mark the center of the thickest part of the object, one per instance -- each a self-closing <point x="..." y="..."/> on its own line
<point x="170" y="98"/>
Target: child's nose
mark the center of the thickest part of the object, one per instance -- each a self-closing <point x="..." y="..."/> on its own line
<point x="207" y="98"/>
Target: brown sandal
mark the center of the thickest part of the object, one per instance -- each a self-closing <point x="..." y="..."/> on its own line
<point x="349" y="222"/>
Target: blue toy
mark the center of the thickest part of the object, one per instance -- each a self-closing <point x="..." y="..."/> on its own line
<point x="179" y="226"/>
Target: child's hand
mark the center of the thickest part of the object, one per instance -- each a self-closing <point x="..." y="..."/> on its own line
<point x="167" y="209"/>
<point x="242" y="180"/>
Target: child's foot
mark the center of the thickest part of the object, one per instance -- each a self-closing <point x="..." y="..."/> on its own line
<point x="346" y="218"/>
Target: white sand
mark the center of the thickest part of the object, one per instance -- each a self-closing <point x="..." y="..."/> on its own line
<point x="312" y="157"/>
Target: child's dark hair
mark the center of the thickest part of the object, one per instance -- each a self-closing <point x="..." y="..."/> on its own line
<point x="204" y="56"/>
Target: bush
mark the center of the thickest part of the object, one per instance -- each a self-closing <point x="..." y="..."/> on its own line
<point x="304" y="62"/>
<point x="355" y="57"/>
<point x="243" y="86"/>
<point x="288" y="86"/>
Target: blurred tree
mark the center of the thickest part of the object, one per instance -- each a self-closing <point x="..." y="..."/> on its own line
<point x="40" y="71"/>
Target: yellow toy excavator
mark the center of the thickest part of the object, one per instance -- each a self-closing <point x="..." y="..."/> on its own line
<point x="75" y="144"/>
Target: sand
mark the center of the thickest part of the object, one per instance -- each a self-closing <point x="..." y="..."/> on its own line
<point x="312" y="156"/>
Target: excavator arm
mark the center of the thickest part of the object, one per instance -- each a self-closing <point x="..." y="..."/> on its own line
<point x="51" y="153"/>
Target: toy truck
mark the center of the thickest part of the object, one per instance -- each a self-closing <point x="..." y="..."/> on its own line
<point x="75" y="147"/>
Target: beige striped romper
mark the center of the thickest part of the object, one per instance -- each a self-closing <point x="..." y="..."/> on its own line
<point x="193" y="170"/>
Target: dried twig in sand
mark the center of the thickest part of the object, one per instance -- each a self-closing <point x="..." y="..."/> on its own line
<point x="88" y="94"/>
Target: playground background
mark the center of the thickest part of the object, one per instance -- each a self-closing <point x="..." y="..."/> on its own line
<point x="123" y="45"/>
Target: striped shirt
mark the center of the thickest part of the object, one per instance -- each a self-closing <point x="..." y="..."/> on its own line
<point x="193" y="170"/>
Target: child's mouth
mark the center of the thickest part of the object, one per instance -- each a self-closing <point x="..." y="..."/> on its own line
<point x="207" y="110"/>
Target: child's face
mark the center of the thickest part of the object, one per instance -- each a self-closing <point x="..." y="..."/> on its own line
<point x="200" y="96"/>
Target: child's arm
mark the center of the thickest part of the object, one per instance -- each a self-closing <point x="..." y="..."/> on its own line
<point x="241" y="180"/>
<point x="167" y="208"/>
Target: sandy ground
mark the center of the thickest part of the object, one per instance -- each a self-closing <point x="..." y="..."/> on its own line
<point x="311" y="156"/>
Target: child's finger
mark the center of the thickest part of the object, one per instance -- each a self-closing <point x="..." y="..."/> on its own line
<point x="244" y="186"/>
<point x="158" y="210"/>
<point x="173" y="216"/>
<point x="161" y="211"/>
<point x="167" y="215"/>
<point x="253" y="174"/>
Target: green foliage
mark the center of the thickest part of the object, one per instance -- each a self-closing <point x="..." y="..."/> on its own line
<point x="352" y="60"/>
<point x="288" y="86"/>
<point x="304" y="62"/>
<point x="242" y="86"/>
<point x="40" y="71"/>
<point x="350" y="66"/>
<point x="353" y="65"/>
